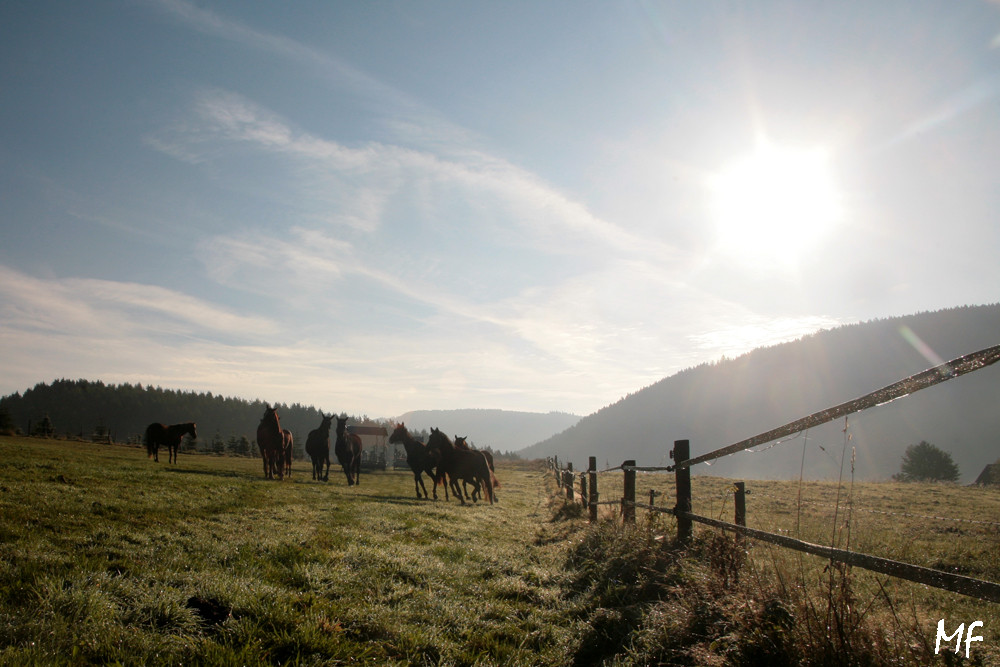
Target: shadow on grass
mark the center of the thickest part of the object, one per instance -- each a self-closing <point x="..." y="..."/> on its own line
<point x="229" y="474"/>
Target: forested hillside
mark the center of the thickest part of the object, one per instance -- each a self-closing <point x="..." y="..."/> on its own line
<point x="81" y="407"/>
<point x="716" y="404"/>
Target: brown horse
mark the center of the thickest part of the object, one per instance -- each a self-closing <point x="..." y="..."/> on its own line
<point x="418" y="457"/>
<point x="461" y="442"/>
<point x="348" y="451"/>
<point x="459" y="464"/>
<point x="286" y="451"/>
<point x="318" y="449"/>
<point x="271" y="442"/>
<point x="169" y="437"/>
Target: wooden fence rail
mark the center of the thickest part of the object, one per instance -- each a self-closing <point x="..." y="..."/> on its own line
<point x="681" y="454"/>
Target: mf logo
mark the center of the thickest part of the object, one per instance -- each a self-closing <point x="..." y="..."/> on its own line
<point x="957" y="636"/>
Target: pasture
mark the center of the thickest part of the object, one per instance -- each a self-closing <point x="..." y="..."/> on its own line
<point x="107" y="557"/>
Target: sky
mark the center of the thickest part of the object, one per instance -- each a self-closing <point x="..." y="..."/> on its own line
<point x="377" y="207"/>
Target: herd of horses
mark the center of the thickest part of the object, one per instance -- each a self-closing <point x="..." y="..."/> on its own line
<point x="444" y="461"/>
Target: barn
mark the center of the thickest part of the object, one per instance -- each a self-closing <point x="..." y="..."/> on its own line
<point x="989" y="476"/>
<point x="373" y="445"/>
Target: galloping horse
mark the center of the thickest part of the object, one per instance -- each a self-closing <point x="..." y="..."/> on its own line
<point x="169" y="437"/>
<point x="459" y="464"/>
<point x="461" y="442"/>
<point x="271" y="442"/>
<point x="318" y="449"/>
<point x="418" y="457"/>
<point x="286" y="451"/>
<point x="348" y="451"/>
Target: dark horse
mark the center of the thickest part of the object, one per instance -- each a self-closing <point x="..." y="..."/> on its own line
<point x="169" y="437"/>
<point x="286" y="451"/>
<point x="348" y="451"/>
<point x="459" y="464"/>
<point x="271" y="442"/>
<point x="318" y="449"/>
<point x="418" y="457"/>
<point x="461" y="442"/>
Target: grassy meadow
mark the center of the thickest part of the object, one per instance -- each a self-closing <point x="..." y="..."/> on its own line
<point x="109" y="558"/>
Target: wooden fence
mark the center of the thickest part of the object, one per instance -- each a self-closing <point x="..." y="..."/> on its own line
<point x="681" y="455"/>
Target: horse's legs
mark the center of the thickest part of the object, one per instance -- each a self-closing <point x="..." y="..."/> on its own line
<point x="456" y="489"/>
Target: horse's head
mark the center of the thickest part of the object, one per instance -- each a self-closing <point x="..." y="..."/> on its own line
<point x="438" y="440"/>
<point x="270" y="416"/>
<point x="399" y="434"/>
<point x="193" y="430"/>
<point x="341" y="425"/>
<point x="460" y="442"/>
<point x="325" y="424"/>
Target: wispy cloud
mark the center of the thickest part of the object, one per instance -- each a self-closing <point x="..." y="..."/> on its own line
<point x="352" y="185"/>
<point x="754" y="331"/>
<point x="109" y="309"/>
<point x="955" y="106"/>
<point x="407" y="116"/>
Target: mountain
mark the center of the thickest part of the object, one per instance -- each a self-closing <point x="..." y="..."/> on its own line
<point x="717" y="404"/>
<point x="501" y="430"/>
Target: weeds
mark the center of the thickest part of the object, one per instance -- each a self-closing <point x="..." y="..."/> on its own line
<point x="723" y="600"/>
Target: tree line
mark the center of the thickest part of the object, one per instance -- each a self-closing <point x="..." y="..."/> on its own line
<point x="94" y="410"/>
<point x="121" y="412"/>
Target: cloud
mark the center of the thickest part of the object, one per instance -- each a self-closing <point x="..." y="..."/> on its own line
<point x="340" y="184"/>
<point x="754" y="331"/>
<point x="409" y="116"/>
<point x="114" y="310"/>
<point x="951" y="109"/>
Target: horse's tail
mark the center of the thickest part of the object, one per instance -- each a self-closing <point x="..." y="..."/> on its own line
<point x="149" y="445"/>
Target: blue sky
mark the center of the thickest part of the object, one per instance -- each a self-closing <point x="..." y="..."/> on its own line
<point x="386" y="206"/>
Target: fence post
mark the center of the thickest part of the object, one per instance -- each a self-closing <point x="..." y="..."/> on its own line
<point x="628" y="502"/>
<point x="583" y="490"/>
<point x="682" y="452"/>
<point x="741" y="504"/>
<point x="592" y="467"/>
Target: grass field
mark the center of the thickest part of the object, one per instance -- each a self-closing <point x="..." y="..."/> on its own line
<point x="107" y="557"/>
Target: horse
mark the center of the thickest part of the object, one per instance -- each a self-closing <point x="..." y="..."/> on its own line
<point x="318" y="449"/>
<point x="169" y="437"/>
<point x="461" y="442"/>
<point x="348" y="451"/>
<point x="271" y="442"/>
<point x="286" y="451"/>
<point x="418" y="457"/>
<point x="459" y="464"/>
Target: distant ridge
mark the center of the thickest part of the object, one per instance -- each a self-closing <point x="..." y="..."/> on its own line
<point x="716" y="404"/>
<point x="501" y="430"/>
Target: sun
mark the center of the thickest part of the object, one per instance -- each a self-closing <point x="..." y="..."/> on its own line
<point x="774" y="204"/>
